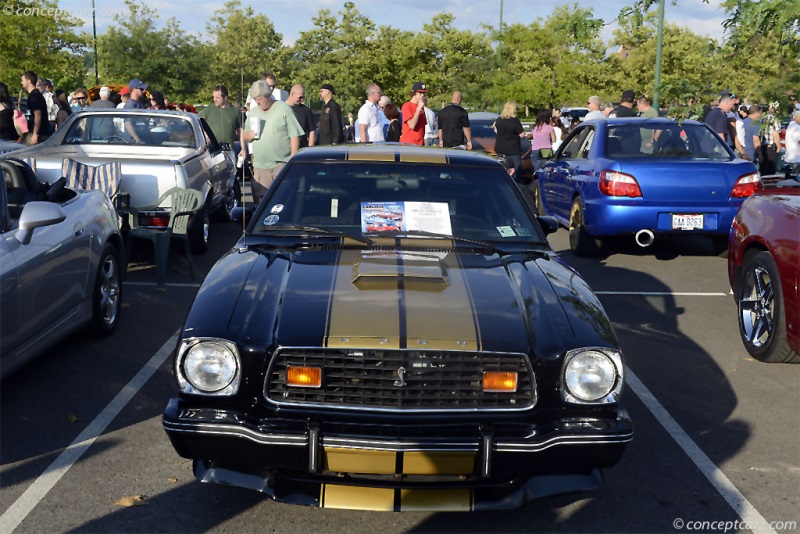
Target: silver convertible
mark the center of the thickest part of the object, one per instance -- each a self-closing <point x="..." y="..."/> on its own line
<point x="156" y="150"/>
<point x="60" y="264"/>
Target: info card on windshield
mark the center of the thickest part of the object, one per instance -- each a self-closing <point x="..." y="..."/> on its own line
<point x="405" y="216"/>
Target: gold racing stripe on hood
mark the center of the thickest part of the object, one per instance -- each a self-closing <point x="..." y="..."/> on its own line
<point x="362" y="319"/>
<point x="441" y="316"/>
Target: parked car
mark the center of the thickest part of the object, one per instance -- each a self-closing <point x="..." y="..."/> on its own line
<point x="484" y="138"/>
<point x="60" y="265"/>
<point x="452" y="362"/>
<point x="158" y="150"/>
<point x="764" y="272"/>
<point x="6" y="147"/>
<point x="644" y="178"/>
<point x="567" y="115"/>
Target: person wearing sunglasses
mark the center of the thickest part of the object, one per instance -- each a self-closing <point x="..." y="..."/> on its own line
<point x="595" y="112"/>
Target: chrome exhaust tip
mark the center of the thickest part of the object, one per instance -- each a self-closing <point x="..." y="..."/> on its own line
<point x="644" y="238"/>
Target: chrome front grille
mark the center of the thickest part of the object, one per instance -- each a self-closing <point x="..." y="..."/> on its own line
<point x="401" y="380"/>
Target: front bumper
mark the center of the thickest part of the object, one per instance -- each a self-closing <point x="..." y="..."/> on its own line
<point x="375" y="467"/>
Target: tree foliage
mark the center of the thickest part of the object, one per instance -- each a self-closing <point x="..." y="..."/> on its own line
<point x="243" y="46"/>
<point x="560" y="60"/>
<point x="167" y="59"/>
<point x="37" y="36"/>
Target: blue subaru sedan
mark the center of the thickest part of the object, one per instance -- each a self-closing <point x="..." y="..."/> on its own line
<point x="644" y="178"/>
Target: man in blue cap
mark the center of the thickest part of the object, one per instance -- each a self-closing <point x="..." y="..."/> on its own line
<point x="137" y="88"/>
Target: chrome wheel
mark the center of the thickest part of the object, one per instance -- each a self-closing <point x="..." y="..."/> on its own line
<point x="109" y="290"/>
<point x="762" y="321"/>
<point x="107" y="296"/>
<point x="757" y="307"/>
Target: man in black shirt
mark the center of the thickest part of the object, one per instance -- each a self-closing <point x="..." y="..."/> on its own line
<point x="303" y="115"/>
<point x="331" y="129"/>
<point x="454" y="127"/>
<point x="625" y="108"/>
<point x="38" y="125"/>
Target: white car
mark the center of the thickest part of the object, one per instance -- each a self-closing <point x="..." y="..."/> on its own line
<point x="157" y="150"/>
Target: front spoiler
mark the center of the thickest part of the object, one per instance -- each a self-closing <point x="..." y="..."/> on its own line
<point x="291" y="490"/>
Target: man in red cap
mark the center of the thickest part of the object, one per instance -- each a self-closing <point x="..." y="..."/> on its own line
<point x="414" y="116"/>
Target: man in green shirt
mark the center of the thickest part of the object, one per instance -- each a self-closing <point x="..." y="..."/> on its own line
<point x="274" y="134"/>
<point x="223" y="117"/>
<point x="647" y="111"/>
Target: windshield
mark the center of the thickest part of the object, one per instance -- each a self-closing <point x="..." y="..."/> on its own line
<point x="368" y="199"/>
<point x="665" y="140"/>
<point x="123" y="129"/>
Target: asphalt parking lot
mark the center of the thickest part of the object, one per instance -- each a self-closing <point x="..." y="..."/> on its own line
<point x="717" y="433"/>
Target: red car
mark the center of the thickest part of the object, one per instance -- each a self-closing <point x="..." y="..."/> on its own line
<point x="764" y="272"/>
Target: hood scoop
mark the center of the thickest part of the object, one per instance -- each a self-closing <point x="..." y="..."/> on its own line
<point x="416" y="270"/>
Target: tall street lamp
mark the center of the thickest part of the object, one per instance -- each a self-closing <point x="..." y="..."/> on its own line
<point x="94" y="39"/>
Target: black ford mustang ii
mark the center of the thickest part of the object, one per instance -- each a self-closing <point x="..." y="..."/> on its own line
<point x="393" y="332"/>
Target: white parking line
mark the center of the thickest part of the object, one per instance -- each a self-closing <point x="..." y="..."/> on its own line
<point x="754" y="520"/>
<point x="23" y="506"/>
<point x="662" y="293"/>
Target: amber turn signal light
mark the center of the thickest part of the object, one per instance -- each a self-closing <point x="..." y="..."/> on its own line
<point x="499" y="382"/>
<point x="304" y="377"/>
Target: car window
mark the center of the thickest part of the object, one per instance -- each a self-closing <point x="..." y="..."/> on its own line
<point x="482" y="128"/>
<point x="211" y="139"/>
<point x="463" y="201"/>
<point x="660" y="140"/>
<point x="575" y="146"/>
<point x="119" y="128"/>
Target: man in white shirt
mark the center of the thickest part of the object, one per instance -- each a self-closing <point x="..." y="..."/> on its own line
<point x="594" y="109"/>
<point x="370" y="129"/>
<point x="431" y="126"/>
<point x="792" y="139"/>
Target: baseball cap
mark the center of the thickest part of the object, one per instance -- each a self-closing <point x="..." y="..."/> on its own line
<point x="628" y="96"/>
<point x="136" y="83"/>
<point x="329" y="87"/>
<point x="419" y="87"/>
<point x="125" y="91"/>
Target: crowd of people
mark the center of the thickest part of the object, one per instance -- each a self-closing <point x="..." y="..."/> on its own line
<point x="273" y="123"/>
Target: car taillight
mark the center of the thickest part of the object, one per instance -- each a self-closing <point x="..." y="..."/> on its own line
<point x="156" y="221"/>
<point x="747" y="185"/>
<point x="619" y="184"/>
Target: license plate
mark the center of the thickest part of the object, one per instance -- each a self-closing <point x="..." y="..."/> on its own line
<point x="687" y="222"/>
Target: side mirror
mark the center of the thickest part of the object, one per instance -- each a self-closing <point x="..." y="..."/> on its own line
<point x="36" y="214"/>
<point x="240" y="214"/>
<point x="549" y="224"/>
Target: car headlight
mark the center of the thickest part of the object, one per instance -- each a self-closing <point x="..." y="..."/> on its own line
<point x="208" y="366"/>
<point x="592" y="376"/>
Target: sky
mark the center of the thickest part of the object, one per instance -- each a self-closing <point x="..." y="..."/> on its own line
<point x="291" y="17"/>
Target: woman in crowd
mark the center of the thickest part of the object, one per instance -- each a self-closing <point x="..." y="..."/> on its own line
<point x="542" y="138"/>
<point x="7" y="130"/>
<point x="559" y="130"/>
<point x="509" y="131"/>
<point x="64" y="110"/>
<point x="157" y="100"/>
<point x="393" y="116"/>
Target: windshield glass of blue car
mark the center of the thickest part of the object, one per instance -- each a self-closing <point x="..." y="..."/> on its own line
<point x="686" y="141"/>
<point x="389" y="198"/>
<point x="122" y="129"/>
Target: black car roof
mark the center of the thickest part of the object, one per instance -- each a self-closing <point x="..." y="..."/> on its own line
<point x="393" y="152"/>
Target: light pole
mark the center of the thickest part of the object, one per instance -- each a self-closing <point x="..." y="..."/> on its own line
<point x="659" y="43"/>
<point x="94" y="39"/>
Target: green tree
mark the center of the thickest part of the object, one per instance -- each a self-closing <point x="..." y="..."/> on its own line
<point x="549" y="63"/>
<point x="167" y="59"/>
<point x="689" y="62"/>
<point x="38" y="37"/>
<point x="241" y="43"/>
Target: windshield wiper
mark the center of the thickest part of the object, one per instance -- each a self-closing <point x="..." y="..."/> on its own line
<point x="425" y="233"/>
<point x="315" y="230"/>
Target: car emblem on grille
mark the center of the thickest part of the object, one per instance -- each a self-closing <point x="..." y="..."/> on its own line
<point x="401" y="374"/>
